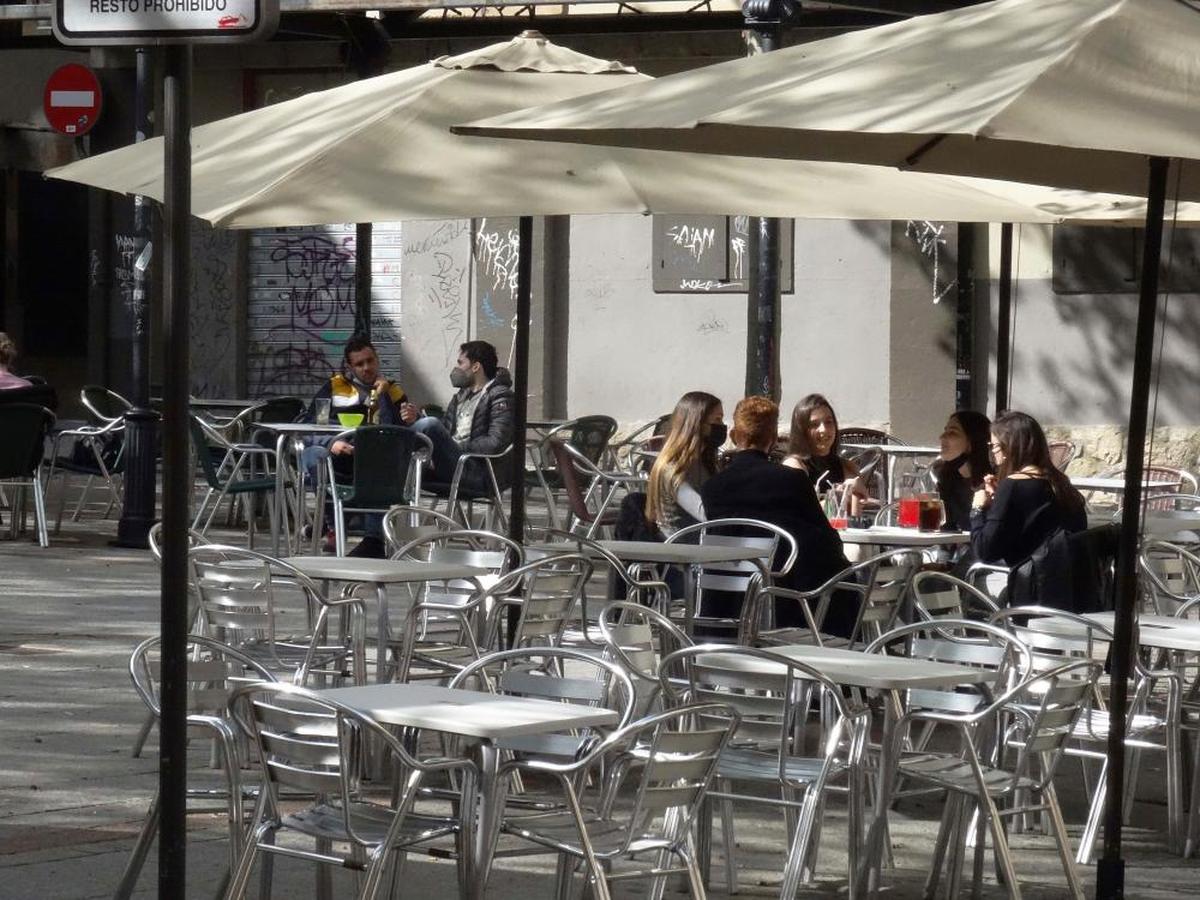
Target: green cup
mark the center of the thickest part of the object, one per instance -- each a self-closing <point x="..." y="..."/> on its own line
<point x="350" y="420"/>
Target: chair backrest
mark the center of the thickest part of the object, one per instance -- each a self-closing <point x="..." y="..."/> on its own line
<point x="856" y="435"/>
<point x="1061" y="454"/>
<point x="887" y="589"/>
<point x="963" y="642"/>
<point x="214" y="669"/>
<point x="637" y="636"/>
<point x="106" y="405"/>
<point x="772" y="694"/>
<point x="547" y="592"/>
<point x="385" y="465"/>
<point x="939" y="595"/>
<point x="1045" y="709"/>
<point x="644" y="590"/>
<point x="1055" y="637"/>
<point x="589" y="435"/>
<point x="280" y="409"/>
<point x="571" y="470"/>
<point x="24" y="427"/>
<point x="205" y="441"/>
<point x="674" y="755"/>
<point x="557" y="674"/>
<point x="1170" y="575"/>
<point x="37" y="394"/>
<point x="154" y="538"/>
<point x="249" y="599"/>
<point x="402" y="524"/>
<point x="739" y="578"/>
<point x="464" y="546"/>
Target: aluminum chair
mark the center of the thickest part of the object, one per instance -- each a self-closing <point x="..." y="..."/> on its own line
<point x="24" y="427"/>
<point x="938" y="595"/>
<point x="637" y="637"/>
<point x="388" y="460"/>
<point x="1036" y="717"/>
<point x="402" y="524"/>
<point x="542" y="596"/>
<point x="277" y="615"/>
<point x="776" y="746"/>
<point x="629" y="455"/>
<point x="588" y="435"/>
<point x="1188" y="667"/>
<point x="730" y="586"/>
<point x="308" y="743"/>
<point x="231" y="476"/>
<point x="102" y="453"/>
<point x="880" y="582"/>
<point x="673" y="755"/>
<point x="590" y="490"/>
<point x="214" y="670"/>
<point x="456" y="492"/>
<point x="1170" y="576"/>
<point x="1061" y="454"/>
<point x="1152" y="719"/>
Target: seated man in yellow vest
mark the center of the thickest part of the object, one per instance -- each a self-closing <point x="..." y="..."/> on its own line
<point x="361" y="389"/>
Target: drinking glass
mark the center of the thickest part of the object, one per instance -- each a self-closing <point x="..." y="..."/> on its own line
<point x="321" y="407"/>
<point x="931" y="513"/>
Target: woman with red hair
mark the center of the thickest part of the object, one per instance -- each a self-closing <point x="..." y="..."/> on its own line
<point x="754" y="487"/>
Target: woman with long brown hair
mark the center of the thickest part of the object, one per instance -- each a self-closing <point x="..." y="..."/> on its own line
<point x="962" y="464"/>
<point x="813" y="445"/>
<point x="687" y="460"/>
<point x="1027" y="500"/>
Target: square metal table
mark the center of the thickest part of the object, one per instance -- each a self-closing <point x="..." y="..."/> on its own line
<point x="381" y="573"/>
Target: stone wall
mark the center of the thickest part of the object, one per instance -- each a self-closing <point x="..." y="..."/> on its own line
<point x="1100" y="448"/>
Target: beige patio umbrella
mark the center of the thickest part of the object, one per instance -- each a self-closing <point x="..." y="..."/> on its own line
<point x="1092" y="94"/>
<point x="380" y="149"/>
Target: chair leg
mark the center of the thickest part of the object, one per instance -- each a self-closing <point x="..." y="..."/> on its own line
<point x="728" y="845"/>
<point x="945" y="835"/>
<point x="137" y="858"/>
<point x="1050" y="797"/>
<point x="143" y="734"/>
<point x="39" y="509"/>
<point x="1087" y="843"/>
<point x="1000" y="842"/>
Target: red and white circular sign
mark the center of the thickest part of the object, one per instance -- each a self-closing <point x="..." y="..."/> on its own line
<point x="72" y="99"/>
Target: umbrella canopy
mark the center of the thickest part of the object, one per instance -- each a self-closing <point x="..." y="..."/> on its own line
<point x="380" y="149"/>
<point x="1070" y="93"/>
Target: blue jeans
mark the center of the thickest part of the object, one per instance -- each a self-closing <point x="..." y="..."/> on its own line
<point x="445" y="449"/>
<point x="311" y="459"/>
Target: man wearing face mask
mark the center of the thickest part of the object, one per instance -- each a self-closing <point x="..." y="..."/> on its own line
<point x="479" y="419"/>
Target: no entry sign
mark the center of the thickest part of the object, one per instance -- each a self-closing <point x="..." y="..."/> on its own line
<point x="72" y="99"/>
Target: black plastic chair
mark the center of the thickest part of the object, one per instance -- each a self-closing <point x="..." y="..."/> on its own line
<point x="387" y="472"/>
<point x="25" y="426"/>
<point x="36" y="394"/>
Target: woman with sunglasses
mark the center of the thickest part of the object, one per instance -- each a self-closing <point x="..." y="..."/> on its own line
<point x="1027" y="501"/>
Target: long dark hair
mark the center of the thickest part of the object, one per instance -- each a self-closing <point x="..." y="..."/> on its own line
<point x="798" y="442"/>
<point x="978" y="429"/>
<point x="1024" y="444"/>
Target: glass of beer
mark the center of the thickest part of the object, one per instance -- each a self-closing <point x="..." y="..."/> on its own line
<point x="930" y="513"/>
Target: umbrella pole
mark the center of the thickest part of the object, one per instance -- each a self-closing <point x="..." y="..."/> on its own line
<point x="177" y="167"/>
<point x="1004" y="324"/>
<point x="1110" y="870"/>
<point x="520" y="375"/>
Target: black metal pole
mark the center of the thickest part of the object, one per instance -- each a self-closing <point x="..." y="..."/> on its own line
<point x="362" y="278"/>
<point x="177" y="164"/>
<point x="764" y="30"/>
<point x="1004" y="324"/>
<point x="141" y="422"/>
<point x="520" y="375"/>
<point x="1110" y="870"/>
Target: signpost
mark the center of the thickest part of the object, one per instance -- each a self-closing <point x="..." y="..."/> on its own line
<point x="71" y="100"/>
<point x="176" y="24"/>
<point x="141" y="22"/>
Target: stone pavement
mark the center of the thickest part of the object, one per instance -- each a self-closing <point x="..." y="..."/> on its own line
<point x="72" y="798"/>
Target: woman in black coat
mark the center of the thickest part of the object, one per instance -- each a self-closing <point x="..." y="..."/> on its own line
<point x="753" y="487"/>
<point x="1027" y="501"/>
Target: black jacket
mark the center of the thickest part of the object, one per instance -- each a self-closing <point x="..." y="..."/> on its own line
<point x="753" y="487"/>
<point x="491" y="427"/>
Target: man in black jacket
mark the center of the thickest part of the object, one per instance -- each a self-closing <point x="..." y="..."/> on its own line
<point x="479" y="419"/>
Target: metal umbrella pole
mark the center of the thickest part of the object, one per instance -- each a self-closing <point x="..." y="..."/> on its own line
<point x="520" y="375"/>
<point x="1004" y="316"/>
<point x="172" y="834"/>
<point x="1110" y="869"/>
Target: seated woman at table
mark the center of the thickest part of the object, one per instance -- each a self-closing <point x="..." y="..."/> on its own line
<point x="687" y="460"/>
<point x="1027" y="503"/>
<point x="753" y="487"/>
<point x="962" y="464"/>
<point x="813" y="446"/>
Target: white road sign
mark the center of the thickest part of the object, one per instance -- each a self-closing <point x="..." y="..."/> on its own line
<point x="93" y="22"/>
